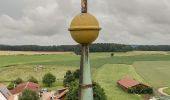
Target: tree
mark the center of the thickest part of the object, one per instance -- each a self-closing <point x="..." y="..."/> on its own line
<point x="73" y="91"/>
<point x="18" y="81"/>
<point x="76" y="74"/>
<point x="98" y="92"/>
<point x="32" y="79"/>
<point x="71" y="80"/>
<point x="49" y="79"/>
<point x="28" y="95"/>
<point x="112" y="54"/>
<point x="70" y="77"/>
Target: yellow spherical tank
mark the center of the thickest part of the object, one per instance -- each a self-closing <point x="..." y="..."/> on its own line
<point x="84" y="28"/>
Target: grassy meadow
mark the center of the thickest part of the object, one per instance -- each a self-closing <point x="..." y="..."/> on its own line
<point x="156" y="73"/>
<point x="149" y="67"/>
<point x="108" y="75"/>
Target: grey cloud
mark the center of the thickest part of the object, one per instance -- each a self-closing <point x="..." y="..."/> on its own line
<point x="45" y="22"/>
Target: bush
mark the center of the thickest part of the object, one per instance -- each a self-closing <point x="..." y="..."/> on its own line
<point x="141" y="90"/>
<point x="14" y="83"/>
<point x="49" y="79"/>
<point x="18" y="81"/>
<point x="32" y="79"/>
<point x="28" y="95"/>
<point x="11" y="86"/>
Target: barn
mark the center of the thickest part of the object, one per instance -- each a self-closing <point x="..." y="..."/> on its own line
<point x="133" y="86"/>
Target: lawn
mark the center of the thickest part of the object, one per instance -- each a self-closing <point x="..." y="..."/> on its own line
<point x="108" y="75"/>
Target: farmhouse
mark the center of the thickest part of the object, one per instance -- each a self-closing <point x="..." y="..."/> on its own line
<point x="26" y="85"/>
<point x="133" y="86"/>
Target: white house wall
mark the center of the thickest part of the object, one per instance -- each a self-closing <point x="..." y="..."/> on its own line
<point x="2" y="97"/>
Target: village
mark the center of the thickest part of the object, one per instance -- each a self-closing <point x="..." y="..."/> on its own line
<point x="31" y="87"/>
<point x="20" y="87"/>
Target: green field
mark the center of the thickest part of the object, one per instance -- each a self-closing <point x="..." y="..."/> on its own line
<point x="105" y="69"/>
<point x="24" y="71"/>
<point x="156" y="73"/>
<point x="108" y="75"/>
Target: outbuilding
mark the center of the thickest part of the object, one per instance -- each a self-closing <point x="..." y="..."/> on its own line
<point x="133" y="86"/>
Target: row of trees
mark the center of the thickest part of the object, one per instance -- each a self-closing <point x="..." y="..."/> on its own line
<point x="98" y="47"/>
<point x="37" y="48"/>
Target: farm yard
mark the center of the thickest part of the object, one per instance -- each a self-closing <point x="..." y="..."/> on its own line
<point x="148" y="67"/>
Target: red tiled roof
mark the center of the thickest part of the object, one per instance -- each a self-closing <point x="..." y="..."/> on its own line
<point x="127" y="83"/>
<point x="62" y="93"/>
<point x="27" y="85"/>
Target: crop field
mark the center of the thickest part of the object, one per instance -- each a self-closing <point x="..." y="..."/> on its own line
<point x="151" y="68"/>
<point x="29" y="53"/>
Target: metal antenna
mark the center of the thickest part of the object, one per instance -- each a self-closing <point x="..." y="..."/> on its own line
<point x="83" y="6"/>
<point x="85" y="25"/>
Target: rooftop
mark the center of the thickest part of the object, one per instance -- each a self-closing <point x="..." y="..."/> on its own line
<point x="26" y="85"/>
<point x="128" y="82"/>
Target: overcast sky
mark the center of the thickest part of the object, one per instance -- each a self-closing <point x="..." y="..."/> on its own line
<point x="45" y="22"/>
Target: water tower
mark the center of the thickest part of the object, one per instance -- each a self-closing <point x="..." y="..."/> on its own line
<point x="84" y="30"/>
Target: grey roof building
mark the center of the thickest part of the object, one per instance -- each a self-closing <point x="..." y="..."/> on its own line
<point x="5" y="92"/>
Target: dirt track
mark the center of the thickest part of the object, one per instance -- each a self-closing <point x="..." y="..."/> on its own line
<point x="160" y="90"/>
